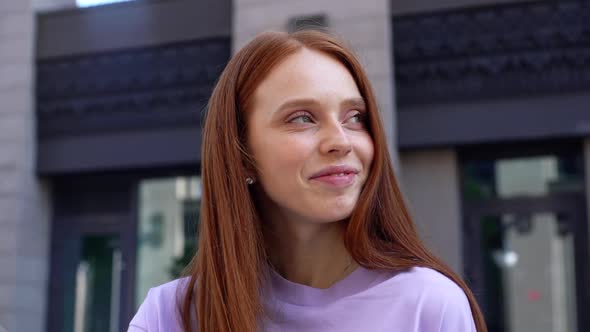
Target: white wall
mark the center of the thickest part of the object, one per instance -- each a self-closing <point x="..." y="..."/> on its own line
<point x="24" y="201"/>
<point x="51" y="5"/>
<point x="430" y="181"/>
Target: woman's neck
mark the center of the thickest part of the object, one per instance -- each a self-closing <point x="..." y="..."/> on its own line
<point x="312" y="254"/>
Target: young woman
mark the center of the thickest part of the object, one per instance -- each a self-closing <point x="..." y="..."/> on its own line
<point x="303" y="226"/>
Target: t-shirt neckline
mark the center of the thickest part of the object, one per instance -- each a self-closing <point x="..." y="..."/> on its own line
<point x="303" y="295"/>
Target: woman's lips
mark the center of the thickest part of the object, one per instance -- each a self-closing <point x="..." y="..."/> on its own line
<point x="336" y="177"/>
<point x="341" y="180"/>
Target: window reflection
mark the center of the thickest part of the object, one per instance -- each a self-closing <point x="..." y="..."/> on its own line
<point x="522" y="177"/>
<point x="168" y="217"/>
<point x="529" y="272"/>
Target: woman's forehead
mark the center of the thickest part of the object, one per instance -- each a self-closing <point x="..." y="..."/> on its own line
<point x="306" y="74"/>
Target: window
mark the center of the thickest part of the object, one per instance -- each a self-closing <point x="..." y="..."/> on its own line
<point x="91" y="3"/>
<point x="168" y="218"/>
<point x="527" y="176"/>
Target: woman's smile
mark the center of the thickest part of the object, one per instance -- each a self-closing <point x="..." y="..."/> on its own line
<point x="336" y="177"/>
<point x="336" y="180"/>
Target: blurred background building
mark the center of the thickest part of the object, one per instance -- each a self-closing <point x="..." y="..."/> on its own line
<point x="486" y="105"/>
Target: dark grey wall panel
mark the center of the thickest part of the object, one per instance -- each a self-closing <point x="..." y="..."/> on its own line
<point x="131" y="24"/>
<point x="121" y="151"/>
<point x="497" y="73"/>
<point x="492" y="52"/>
<point x="131" y="98"/>
<point x="152" y="87"/>
<point x="494" y="121"/>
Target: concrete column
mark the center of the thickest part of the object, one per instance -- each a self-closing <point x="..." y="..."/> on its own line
<point x="365" y="25"/>
<point x="52" y="5"/>
<point x="430" y="181"/>
<point x="24" y="207"/>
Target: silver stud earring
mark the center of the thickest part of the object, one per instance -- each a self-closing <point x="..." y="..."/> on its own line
<point x="249" y="180"/>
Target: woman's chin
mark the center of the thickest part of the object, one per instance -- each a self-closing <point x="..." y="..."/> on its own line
<point x="333" y="215"/>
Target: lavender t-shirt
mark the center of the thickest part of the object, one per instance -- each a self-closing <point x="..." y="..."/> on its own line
<point x="417" y="300"/>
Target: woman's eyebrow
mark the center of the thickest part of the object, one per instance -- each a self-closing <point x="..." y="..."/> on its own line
<point x="355" y="103"/>
<point x="308" y="102"/>
<point x="301" y="102"/>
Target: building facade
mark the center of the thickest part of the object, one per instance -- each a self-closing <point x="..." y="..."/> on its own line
<point x="484" y="105"/>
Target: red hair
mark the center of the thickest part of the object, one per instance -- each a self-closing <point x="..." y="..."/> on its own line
<point x="227" y="271"/>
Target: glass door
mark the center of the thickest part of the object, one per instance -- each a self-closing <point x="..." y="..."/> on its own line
<point x="88" y="275"/>
<point x="527" y="262"/>
<point x="168" y="215"/>
<point x="97" y="288"/>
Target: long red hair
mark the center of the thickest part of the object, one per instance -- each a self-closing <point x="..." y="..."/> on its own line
<point x="226" y="274"/>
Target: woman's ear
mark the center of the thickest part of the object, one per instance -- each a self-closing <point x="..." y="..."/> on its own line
<point x="250" y="168"/>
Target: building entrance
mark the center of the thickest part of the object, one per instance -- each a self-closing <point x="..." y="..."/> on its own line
<point x="525" y="239"/>
<point x="527" y="261"/>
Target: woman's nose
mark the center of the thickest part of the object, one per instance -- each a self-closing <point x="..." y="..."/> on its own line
<point x="335" y="140"/>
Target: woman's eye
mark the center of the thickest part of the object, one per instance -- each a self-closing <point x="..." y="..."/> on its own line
<point x="357" y="118"/>
<point x="301" y="119"/>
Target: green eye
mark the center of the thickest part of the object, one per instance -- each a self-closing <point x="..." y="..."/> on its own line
<point x="301" y="119"/>
<point x="357" y="118"/>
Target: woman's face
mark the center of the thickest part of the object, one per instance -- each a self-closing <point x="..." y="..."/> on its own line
<point x="307" y="133"/>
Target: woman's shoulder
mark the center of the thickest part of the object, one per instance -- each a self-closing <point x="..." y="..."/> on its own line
<point x="159" y="310"/>
<point x="170" y="290"/>
<point x="427" y="279"/>
<point x="437" y="300"/>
